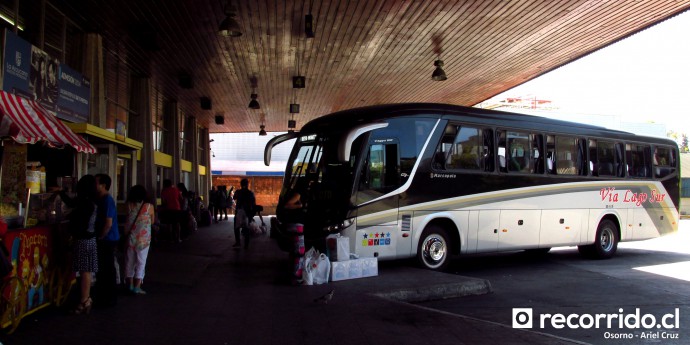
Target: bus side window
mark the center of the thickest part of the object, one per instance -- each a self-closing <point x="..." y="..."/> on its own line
<point x="664" y="161"/>
<point x="466" y="150"/>
<point x="518" y="159"/>
<point x="606" y="162"/>
<point x="619" y="164"/>
<point x="638" y="158"/>
<point x="550" y="154"/>
<point x="488" y="157"/>
<point x="501" y="150"/>
<point x="593" y="160"/>
<point x="538" y="153"/>
<point x="582" y="158"/>
<point x="381" y="172"/>
<point x="440" y="158"/>
<point x="569" y="157"/>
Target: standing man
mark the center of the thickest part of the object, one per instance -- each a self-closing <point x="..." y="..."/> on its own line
<point x="107" y="235"/>
<point x="212" y="195"/>
<point x="245" y="202"/>
<point x="171" y="198"/>
<point x="222" y="202"/>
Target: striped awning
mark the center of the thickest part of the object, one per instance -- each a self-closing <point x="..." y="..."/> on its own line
<point x="27" y="122"/>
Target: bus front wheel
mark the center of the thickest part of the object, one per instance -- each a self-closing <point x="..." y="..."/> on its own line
<point x="433" y="250"/>
<point x="605" y="243"/>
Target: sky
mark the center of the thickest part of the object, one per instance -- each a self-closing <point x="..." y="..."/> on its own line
<point x="644" y="78"/>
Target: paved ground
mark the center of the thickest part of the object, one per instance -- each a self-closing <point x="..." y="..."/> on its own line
<point x="202" y="291"/>
<point x="652" y="276"/>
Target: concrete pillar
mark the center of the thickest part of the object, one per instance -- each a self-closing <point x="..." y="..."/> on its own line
<point x="171" y="122"/>
<point x="94" y="70"/>
<point x="141" y="129"/>
<point x="205" y="180"/>
<point x="191" y="133"/>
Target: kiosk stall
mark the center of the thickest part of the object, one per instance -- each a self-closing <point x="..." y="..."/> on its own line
<point x="38" y="153"/>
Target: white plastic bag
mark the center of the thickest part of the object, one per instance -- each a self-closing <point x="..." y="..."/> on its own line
<point x="255" y="229"/>
<point x="308" y="260"/>
<point x="317" y="267"/>
<point x="338" y="247"/>
<point x="322" y="270"/>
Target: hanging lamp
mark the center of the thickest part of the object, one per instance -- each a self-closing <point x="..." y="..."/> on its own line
<point x="439" y="74"/>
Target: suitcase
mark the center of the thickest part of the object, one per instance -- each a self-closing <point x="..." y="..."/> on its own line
<point x="205" y="218"/>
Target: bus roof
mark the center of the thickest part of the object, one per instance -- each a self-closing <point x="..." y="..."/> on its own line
<point x="347" y="118"/>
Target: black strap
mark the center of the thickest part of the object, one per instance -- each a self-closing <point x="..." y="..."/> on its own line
<point x="134" y="222"/>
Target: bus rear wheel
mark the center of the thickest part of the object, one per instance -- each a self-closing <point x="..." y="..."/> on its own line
<point x="433" y="250"/>
<point x="605" y="243"/>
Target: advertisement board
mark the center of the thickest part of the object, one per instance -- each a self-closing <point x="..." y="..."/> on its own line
<point x="31" y="73"/>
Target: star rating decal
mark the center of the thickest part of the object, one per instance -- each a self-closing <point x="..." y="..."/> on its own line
<point x="376" y="239"/>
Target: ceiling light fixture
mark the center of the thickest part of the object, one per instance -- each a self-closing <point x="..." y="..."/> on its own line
<point x="254" y="104"/>
<point x="229" y="26"/>
<point x="439" y="74"/>
<point x="262" y="132"/>
<point x="309" y="25"/>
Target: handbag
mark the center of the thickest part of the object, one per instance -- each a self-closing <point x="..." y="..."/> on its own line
<point x="134" y="222"/>
<point x="138" y="241"/>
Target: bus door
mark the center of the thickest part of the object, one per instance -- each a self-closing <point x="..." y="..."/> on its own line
<point x="377" y="231"/>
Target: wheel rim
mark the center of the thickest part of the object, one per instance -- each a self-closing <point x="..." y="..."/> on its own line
<point x="434" y="250"/>
<point x="606" y="239"/>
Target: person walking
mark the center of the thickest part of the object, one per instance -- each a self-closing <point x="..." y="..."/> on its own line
<point x="245" y="202"/>
<point x="185" y="212"/>
<point x="170" y="201"/>
<point x="221" y="202"/>
<point x="107" y="235"/>
<point x="138" y="231"/>
<point x="82" y="222"/>
<point x="231" y="201"/>
<point x="212" y="195"/>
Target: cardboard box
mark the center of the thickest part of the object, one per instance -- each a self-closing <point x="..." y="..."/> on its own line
<point x="354" y="268"/>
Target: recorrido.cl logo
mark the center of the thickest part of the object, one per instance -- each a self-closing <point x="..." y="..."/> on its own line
<point x="523" y="318"/>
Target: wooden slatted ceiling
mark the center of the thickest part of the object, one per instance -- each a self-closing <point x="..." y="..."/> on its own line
<point x="364" y="52"/>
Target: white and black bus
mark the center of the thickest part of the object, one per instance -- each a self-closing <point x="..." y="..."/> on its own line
<point x="434" y="180"/>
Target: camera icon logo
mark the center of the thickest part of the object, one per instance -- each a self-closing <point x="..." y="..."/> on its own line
<point x="522" y="317"/>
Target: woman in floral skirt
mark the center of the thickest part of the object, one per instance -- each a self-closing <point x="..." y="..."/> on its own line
<point x="138" y="232"/>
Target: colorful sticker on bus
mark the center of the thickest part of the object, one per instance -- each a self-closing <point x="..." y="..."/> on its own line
<point x="372" y="239"/>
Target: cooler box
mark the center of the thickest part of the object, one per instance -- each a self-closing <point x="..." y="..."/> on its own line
<point x="354" y="268"/>
<point x="340" y="270"/>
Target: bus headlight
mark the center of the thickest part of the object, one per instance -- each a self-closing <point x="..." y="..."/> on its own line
<point x="341" y="226"/>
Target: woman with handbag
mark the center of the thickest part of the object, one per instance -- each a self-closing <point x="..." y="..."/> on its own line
<point x="82" y="228"/>
<point x="138" y="231"/>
